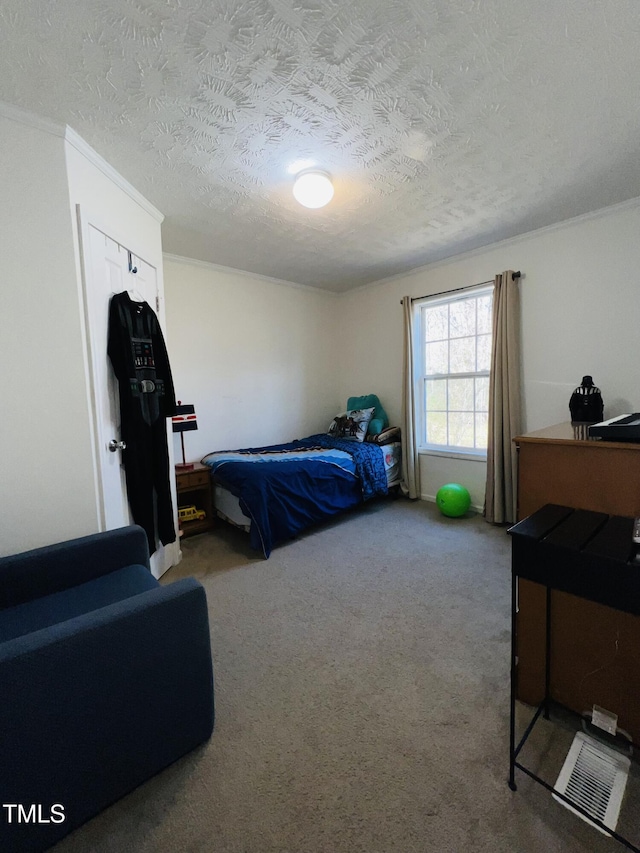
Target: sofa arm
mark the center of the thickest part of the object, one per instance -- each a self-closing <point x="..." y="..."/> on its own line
<point x="66" y="564"/>
<point x="100" y="703"/>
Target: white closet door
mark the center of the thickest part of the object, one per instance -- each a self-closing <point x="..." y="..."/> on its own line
<point x="107" y="271"/>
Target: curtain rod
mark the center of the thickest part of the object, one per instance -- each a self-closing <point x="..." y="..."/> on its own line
<point x="456" y="289"/>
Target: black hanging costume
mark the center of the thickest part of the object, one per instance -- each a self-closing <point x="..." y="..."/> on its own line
<point x="139" y="357"/>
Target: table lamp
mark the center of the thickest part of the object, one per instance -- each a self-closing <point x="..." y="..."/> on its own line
<point x="183" y="421"/>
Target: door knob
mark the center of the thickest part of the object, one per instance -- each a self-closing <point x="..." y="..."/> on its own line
<point x="116" y="445"/>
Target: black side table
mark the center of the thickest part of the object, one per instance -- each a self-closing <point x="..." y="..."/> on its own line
<point x="589" y="555"/>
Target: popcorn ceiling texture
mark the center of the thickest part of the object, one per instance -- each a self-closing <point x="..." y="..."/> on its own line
<point x="446" y="125"/>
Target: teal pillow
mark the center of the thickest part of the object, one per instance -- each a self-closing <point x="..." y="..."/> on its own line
<point x="379" y="421"/>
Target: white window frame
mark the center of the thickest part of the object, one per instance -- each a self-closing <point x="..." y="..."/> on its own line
<point x="420" y="384"/>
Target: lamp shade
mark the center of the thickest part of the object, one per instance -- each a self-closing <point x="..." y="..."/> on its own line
<point x="313" y="189"/>
<point x="185" y="419"/>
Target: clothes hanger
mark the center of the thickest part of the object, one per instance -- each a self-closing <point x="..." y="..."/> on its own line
<point x="133" y="292"/>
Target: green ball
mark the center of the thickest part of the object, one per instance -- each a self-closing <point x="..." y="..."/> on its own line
<point x="453" y="500"/>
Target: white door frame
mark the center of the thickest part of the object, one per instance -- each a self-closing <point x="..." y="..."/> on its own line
<point x="171" y="553"/>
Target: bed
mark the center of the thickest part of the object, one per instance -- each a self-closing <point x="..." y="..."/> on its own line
<point x="276" y="492"/>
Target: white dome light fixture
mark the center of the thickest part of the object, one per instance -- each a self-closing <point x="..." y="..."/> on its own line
<point x="313" y="188"/>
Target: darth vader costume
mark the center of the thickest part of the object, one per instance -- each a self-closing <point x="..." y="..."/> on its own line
<point x="139" y="357"/>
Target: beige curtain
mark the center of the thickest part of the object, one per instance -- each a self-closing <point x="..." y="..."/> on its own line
<point x="505" y="404"/>
<point x="410" y="471"/>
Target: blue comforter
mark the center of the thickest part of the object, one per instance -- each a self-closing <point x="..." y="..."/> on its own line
<point x="285" y="488"/>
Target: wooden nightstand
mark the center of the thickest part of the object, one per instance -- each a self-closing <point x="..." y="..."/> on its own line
<point x="194" y="490"/>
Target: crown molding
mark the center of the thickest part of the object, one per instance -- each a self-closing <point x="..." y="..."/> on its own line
<point x="100" y="163"/>
<point x="23" y="116"/>
<point x="69" y="135"/>
<point x="194" y="262"/>
<point x="502" y="244"/>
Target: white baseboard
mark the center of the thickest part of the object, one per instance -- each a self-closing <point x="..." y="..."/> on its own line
<point x="432" y="499"/>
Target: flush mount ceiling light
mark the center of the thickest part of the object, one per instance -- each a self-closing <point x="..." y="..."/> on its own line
<point x="313" y="188"/>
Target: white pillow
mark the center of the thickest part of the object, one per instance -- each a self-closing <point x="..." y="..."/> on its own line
<point x="351" y="425"/>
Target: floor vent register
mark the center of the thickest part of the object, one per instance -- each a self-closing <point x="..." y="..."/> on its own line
<point x="594" y="777"/>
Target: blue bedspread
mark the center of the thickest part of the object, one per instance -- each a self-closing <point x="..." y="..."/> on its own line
<point x="285" y="488"/>
<point x="367" y="459"/>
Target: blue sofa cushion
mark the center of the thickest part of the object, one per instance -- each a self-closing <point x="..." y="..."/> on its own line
<point x="60" y="606"/>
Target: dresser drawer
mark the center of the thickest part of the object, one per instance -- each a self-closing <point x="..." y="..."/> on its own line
<point x="189" y="479"/>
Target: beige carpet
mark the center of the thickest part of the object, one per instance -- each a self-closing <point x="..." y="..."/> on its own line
<point x="362" y="702"/>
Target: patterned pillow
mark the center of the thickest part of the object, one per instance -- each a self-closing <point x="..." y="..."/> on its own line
<point x="351" y="425"/>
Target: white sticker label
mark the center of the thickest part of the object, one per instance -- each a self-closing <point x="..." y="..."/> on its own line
<point x="604" y="720"/>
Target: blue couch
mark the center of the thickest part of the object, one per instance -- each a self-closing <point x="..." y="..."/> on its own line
<point x="105" y="679"/>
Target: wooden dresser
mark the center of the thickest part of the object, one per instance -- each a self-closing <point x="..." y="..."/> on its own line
<point x="596" y="650"/>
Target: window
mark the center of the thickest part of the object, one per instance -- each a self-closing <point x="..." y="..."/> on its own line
<point x="454" y="362"/>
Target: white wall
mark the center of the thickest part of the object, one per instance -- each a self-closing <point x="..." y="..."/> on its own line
<point x="46" y="487"/>
<point x="256" y="357"/>
<point x="48" y="483"/>
<point x="580" y="310"/>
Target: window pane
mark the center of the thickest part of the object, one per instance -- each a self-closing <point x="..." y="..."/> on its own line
<point x="463" y="355"/>
<point x="482" y="421"/>
<point x="482" y="394"/>
<point x="436" y="323"/>
<point x="484" y="314"/>
<point x="461" y="396"/>
<point x="457" y="350"/>
<point x="436" y="395"/>
<point x="436" y="427"/>
<point x="462" y="318"/>
<point x="437" y="357"/>
<point x="461" y="429"/>
<point x="484" y="352"/>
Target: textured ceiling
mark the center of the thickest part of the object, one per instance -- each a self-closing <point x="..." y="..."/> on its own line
<point x="446" y="125"/>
